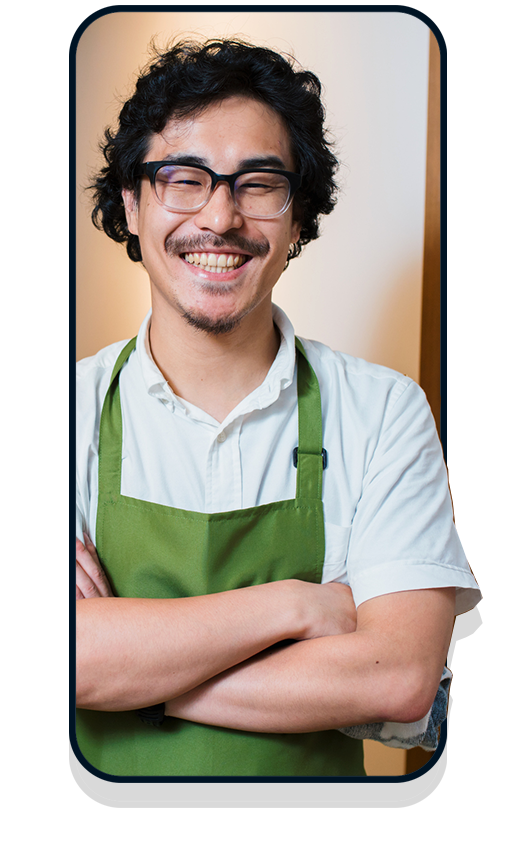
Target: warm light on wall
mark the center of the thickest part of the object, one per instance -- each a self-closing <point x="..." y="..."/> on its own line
<point x="358" y="288"/>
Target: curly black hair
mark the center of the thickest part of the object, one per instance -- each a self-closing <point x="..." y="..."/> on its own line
<point x="185" y="79"/>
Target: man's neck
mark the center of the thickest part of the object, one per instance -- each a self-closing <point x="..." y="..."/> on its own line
<point x="214" y="371"/>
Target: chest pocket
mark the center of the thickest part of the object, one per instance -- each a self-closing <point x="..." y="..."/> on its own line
<point x="336" y="548"/>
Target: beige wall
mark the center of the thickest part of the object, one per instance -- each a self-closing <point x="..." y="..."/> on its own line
<point x="358" y="287"/>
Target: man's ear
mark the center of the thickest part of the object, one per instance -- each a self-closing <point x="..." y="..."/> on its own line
<point x="130" y="201"/>
<point x="295" y="232"/>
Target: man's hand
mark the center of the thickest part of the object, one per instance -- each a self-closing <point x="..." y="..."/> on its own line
<point x="90" y="580"/>
<point x="329" y="610"/>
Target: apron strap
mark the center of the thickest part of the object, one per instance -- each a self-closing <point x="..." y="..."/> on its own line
<point x="309" y="476"/>
<point x="111" y="432"/>
<point x="309" y="479"/>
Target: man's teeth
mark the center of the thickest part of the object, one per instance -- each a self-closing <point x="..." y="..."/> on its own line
<point x="214" y="261"/>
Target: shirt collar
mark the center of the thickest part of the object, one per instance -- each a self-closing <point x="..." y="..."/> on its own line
<point x="278" y="378"/>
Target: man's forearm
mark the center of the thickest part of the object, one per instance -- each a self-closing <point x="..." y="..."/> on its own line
<point x="371" y="675"/>
<point x="136" y="652"/>
<point x="308" y="686"/>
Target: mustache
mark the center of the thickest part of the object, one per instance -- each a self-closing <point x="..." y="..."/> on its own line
<point x="193" y="243"/>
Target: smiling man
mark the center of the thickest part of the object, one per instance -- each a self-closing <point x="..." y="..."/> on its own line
<point x="214" y="253"/>
<point x="273" y="516"/>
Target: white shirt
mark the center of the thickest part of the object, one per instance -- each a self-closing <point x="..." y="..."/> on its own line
<point x="388" y="513"/>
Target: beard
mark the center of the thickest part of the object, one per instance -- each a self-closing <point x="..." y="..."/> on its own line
<point x="223" y="325"/>
<point x="194" y="244"/>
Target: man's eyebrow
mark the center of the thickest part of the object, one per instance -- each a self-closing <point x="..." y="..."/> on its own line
<point x="257" y="163"/>
<point x="186" y="159"/>
<point x="271" y="161"/>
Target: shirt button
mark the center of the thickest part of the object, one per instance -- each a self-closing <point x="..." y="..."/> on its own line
<point x="221" y="437"/>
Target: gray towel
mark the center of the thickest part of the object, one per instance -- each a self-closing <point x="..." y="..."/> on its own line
<point x="421" y="734"/>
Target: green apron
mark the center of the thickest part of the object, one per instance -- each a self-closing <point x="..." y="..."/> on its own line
<point x="155" y="551"/>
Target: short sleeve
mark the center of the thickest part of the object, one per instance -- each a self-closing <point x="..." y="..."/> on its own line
<point x="403" y="535"/>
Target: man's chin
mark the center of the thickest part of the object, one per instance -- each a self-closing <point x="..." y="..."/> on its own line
<point x="221" y="325"/>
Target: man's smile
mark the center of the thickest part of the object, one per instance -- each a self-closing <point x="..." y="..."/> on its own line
<point x="215" y="253"/>
<point x="217" y="263"/>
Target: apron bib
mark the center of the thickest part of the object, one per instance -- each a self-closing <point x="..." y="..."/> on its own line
<point x="155" y="551"/>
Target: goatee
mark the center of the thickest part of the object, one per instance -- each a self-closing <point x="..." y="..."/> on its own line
<point x="188" y="244"/>
<point x="211" y="326"/>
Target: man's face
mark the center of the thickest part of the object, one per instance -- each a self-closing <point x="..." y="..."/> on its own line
<point x="222" y="137"/>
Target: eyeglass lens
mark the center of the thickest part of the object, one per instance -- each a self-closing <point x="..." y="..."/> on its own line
<point x="256" y="194"/>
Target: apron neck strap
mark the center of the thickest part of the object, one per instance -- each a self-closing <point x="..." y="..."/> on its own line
<point x="111" y="432"/>
<point x="310" y="459"/>
<point x="123" y="357"/>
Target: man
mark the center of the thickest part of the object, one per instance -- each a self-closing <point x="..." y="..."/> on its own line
<point x="226" y="470"/>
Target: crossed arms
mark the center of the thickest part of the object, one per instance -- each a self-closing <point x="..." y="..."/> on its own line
<point x="212" y="658"/>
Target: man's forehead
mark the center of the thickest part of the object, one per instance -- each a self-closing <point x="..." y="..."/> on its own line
<point x="233" y="123"/>
<point x="214" y="110"/>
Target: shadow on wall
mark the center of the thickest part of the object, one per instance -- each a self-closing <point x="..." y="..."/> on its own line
<point x="397" y="314"/>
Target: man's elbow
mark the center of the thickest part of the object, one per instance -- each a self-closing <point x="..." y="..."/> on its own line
<point x="85" y="692"/>
<point x="82" y="662"/>
<point x="89" y="661"/>
<point x="95" y="690"/>
<point x="412" y="696"/>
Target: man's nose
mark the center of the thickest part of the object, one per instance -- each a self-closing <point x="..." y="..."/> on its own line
<point x="220" y="213"/>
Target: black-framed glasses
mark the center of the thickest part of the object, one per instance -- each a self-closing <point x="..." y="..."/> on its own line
<point x="262" y="194"/>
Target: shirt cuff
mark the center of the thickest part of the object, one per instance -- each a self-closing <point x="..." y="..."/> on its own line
<point x="398" y="577"/>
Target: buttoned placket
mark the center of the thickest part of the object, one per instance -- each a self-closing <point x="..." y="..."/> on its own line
<point x="220" y="444"/>
<point x="223" y="469"/>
